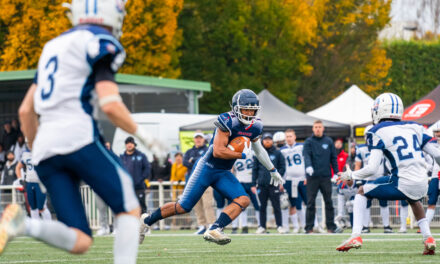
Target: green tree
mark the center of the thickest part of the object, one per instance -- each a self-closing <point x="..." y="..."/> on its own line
<point x="255" y="44"/>
<point x="346" y="52"/>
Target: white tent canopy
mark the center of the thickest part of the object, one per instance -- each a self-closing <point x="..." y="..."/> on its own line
<point x="353" y="107"/>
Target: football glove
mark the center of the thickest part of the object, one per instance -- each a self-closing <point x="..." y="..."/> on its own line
<point x="276" y="178"/>
<point x="309" y="171"/>
<point x="247" y="151"/>
<point x="346" y="175"/>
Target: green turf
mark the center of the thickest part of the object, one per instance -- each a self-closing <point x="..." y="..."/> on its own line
<point x="181" y="247"/>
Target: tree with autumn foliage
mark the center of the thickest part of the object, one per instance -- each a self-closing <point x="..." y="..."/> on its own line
<point x="151" y="37"/>
<point x="346" y="52"/>
<point x="235" y="44"/>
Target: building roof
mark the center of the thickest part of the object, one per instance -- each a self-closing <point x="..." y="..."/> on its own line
<point x="10" y="76"/>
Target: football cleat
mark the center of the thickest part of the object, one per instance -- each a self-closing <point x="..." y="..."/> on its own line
<point x="144" y="228"/>
<point x="245" y="230"/>
<point x="260" y="230"/>
<point x="429" y="246"/>
<point x="353" y="242"/>
<point x="295" y="230"/>
<point x="387" y="230"/>
<point x="365" y="230"/>
<point x="217" y="236"/>
<point x="200" y="231"/>
<point x="11" y="225"/>
<point x="402" y="230"/>
<point x="282" y="230"/>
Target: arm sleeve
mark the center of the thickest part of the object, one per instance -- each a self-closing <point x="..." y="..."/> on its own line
<point x="434" y="151"/>
<point x="262" y="155"/>
<point x="334" y="159"/>
<point x="374" y="162"/>
<point x="255" y="172"/>
<point x="307" y="153"/>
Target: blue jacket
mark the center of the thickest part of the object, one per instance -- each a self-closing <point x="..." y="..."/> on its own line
<point x="138" y="166"/>
<point x="320" y="153"/>
<point x="192" y="155"/>
<point x="260" y="175"/>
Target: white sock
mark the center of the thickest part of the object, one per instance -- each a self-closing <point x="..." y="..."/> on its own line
<point x="285" y="218"/>
<point x="46" y="214"/>
<point x="302" y="217"/>
<point x="360" y="203"/>
<point x="424" y="228"/>
<point x="403" y="216"/>
<point x="430" y="215"/>
<point x="235" y="223"/>
<point x="218" y="212"/>
<point x="35" y="214"/>
<point x="366" y="217"/>
<point x="53" y="233"/>
<point x="244" y="218"/>
<point x="385" y="213"/>
<point x="257" y="215"/>
<point x="294" y="219"/>
<point x="125" y="246"/>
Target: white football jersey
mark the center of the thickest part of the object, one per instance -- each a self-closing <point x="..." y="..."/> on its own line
<point x="402" y="144"/>
<point x="294" y="158"/>
<point x="31" y="174"/>
<point x="362" y="155"/>
<point x="65" y="99"/>
<point x="243" y="169"/>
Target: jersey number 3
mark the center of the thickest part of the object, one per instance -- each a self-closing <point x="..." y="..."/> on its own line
<point x="46" y="93"/>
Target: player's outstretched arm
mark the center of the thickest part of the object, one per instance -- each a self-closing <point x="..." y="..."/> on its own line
<point x="111" y="104"/>
<point x="220" y="149"/>
<point x="432" y="150"/>
<point x="263" y="157"/>
<point x="376" y="157"/>
<point x="28" y="117"/>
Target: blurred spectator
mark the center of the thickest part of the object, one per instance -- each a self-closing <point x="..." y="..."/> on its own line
<point x="9" y="136"/>
<point x="319" y="158"/>
<point x="261" y="179"/>
<point x="8" y="174"/>
<point x="160" y="172"/>
<point x="341" y="154"/>
<point x="19" y="147"/>
<point x="279" y="138"/>
<point x="8" y="177"/>
<point x="178" y="172"/>
<point x="15" y="125"/>
<point x="203" y="209"/>
<point x="351" y="161"/>
<point x="136" y="163"/>
<point x="2" y="157"/>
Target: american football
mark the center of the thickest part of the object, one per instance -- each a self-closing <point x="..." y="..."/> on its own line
<point x="238" y="143"/>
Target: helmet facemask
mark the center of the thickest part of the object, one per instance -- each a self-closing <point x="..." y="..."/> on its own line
<point x="246" y="119"/>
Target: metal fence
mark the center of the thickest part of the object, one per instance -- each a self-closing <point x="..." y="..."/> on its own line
<point x="161" y="193"/>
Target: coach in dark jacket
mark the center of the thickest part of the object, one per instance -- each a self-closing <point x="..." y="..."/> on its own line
<point x="193" y="154"/>
<point x="261" y="179"/>
<point x="319" y="157"/>
<point x="136" y="163"/>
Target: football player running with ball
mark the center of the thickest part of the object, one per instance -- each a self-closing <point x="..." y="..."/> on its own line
<point x="402" y="144"/>
<point x="214" y="168"/>
<point x="58" y="122"/>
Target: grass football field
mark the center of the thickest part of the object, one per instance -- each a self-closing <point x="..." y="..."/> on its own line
<point x="183" y="247"/>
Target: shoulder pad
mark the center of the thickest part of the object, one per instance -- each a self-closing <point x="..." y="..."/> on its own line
<point x="224" y="122"/>
<point x="105" y="45"/>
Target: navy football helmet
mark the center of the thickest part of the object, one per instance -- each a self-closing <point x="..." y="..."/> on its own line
<point x="245" y="99"/>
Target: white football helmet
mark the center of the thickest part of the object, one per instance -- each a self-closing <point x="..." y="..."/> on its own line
<point x="279" y="136"/>
<point x="99" y="12"/>
<point x="284" y="201"/>
<point x="367" y="128"/>
<point x="436" y="130"/>
<point x="387" y="106"/>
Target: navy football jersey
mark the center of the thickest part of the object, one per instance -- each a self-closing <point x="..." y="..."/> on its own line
<point x="228" y="122"/>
